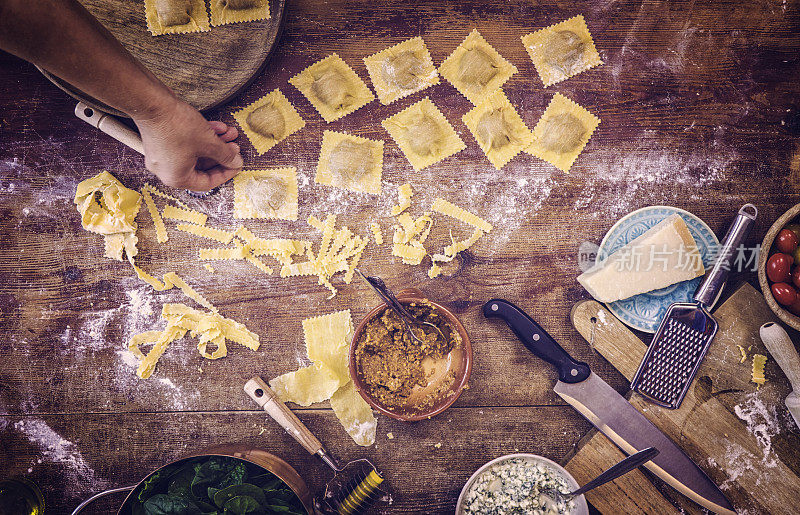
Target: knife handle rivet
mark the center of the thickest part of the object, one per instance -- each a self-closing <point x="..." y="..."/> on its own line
<point x="535" y="337"/>
<point x="574" y="372"/>
<point x="495" y="307"/>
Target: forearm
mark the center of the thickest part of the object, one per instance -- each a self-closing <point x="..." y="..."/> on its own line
<point x="62" y="37"/>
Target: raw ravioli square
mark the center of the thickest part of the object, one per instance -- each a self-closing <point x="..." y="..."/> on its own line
<point x="401" y="70"/>
<point x="350" y="162"/>
<point x="562" y="132"/>
<point x="423" y="134"/>
<point x="333" y="88"/>
<point x="270" y="193"/>
<point x="269" y="120"/>
<point x="234" y="11"/>
<point x="498" y="129"/>
<point x="562" y="50"/>
<point x="176" y="21"/>
<point x="476" y="69"/>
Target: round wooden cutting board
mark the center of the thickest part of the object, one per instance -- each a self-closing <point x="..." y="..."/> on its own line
<point x="207" y="69"/>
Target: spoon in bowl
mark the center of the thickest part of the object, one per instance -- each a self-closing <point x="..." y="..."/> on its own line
<point x="389" y="298"/>
<point x="552" y="497"/>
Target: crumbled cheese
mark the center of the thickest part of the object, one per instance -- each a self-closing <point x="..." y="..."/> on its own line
<point x="513" y="486"/>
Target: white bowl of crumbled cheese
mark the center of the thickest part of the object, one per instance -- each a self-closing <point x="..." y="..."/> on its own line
<point x="512" y="484"/>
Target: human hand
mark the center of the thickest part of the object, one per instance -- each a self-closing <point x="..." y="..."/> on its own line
<point x="184" y="150"/>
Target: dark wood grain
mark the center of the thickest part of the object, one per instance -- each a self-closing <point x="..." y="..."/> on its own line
<point x="697" y="102"/>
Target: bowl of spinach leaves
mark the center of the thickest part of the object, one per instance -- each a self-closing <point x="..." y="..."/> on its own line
<point x="213" y="484"/>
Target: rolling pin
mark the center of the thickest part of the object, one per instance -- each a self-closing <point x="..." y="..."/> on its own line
<point x="784" y="353"/>
<point x="110" y="125"/>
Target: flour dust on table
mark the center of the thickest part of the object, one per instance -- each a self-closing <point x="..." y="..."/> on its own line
<point x="58" y="450"/>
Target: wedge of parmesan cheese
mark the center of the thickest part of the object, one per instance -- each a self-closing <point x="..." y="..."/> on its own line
<point x="664" y="255"/>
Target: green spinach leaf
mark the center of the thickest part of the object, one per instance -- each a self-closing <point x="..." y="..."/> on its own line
<point x="210" y="473"/>
<point x="163" y="504"/>
<point x="241" y="505"/>
<point x="222" y="496"/>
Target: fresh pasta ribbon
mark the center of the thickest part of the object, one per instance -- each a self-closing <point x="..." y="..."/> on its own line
<point x="453" y="211"/>
<point x="185" y="215"/>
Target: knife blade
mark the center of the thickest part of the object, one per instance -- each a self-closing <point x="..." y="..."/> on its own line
<point x="610" y="412"/>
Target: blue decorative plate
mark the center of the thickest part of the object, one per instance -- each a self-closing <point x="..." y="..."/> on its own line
<point x="645" y="311"/>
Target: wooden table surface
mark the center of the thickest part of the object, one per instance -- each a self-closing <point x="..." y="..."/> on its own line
<point x="698" y="102"/>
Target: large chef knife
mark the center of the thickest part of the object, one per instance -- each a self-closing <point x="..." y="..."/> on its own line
<point x="610" y="412"/>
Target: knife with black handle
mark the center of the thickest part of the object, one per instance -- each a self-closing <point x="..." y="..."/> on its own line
<point x="609" y="412"/>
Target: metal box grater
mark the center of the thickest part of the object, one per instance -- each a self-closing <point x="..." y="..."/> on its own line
<point x="673" y="358"/>
<point x="686" y="331"/>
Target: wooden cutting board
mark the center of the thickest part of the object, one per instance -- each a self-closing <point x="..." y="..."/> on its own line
<point x="207" y="69"/>
<point x="742" y="437"/>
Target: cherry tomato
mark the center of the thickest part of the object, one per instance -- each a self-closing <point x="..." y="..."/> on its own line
<point x="786" y="241"/>
<point x="778" y="267"/>
<point x="795" y="228"/>
<point x="784" y="294"/>
<point x="795" y="307"/>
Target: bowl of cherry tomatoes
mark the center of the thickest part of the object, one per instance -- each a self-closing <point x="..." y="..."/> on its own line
<point x="779" y="267"/>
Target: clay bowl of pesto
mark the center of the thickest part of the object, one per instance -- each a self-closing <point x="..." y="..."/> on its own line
<point x="400" y="378"/>
<point x="233" y="478"/>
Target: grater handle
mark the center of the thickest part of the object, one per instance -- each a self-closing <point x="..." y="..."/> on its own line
<point x="259" y="391"/>
<point x="707" y="293"/>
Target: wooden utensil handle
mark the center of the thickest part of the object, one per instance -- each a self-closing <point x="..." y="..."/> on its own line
<point x="110" y="125"/>
<point x="259" y="391"/>
<point x="783" y="351"/>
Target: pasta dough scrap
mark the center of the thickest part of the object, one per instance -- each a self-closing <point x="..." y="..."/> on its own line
<point x="355" y="415"/>
<point x="306" y="386"/>
<point x="350" y="162"/>
<point x="234" y="11"/>
<point x="158" y="222"/>
<point x="207" y="232"/>
<point x="448" y="209"/>
<point x="152" y="189"/>
<point x="328" y="341"/>
<point x="476" y="69"/>
<point x="171" y="279"/>
<point x="208" y="328"/>
<point x="185" y="215"/>
<point x="410" y="253"/>
<point x="498" y="129"/>
<point x="269" y="120"/>
<point x="423" y="134"/>
<point x="332" y="87"/>
<point x="375" y="227"/>
<point x="269" y="193"/>
<point x="176" y="16"/>
<point x="562" y="132"/>
<point x="759" y="361"/>
<point x="562" y="50"/>
<point x="401" y="70"/>
<point x="339" y="251"/>
<point x="451" y="251"/>
<point x="409" y="238"/>
<point x="109" y="208"/>
<point x="404" y="194"/>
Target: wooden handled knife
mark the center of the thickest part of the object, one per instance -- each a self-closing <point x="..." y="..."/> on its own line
<point x="610" y="412"/>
